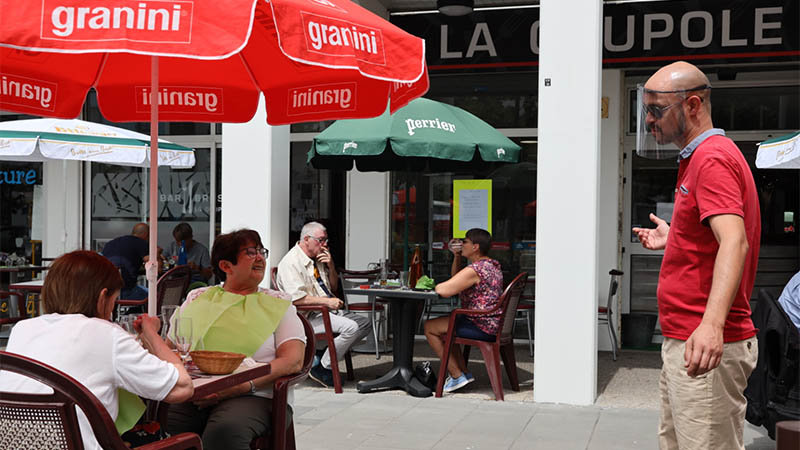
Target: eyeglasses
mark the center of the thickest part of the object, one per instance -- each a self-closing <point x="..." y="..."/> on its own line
<point x="322" y="241"/>
<point x="252" y="252"/>
<point x="658" y="111"/>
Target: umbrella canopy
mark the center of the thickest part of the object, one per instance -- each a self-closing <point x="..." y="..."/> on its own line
<point x="312" y="59"/>
<point x="204" y="61"/>
<point x="425" y="134"/>
<point x="45" y="139"/>
<point x="779" y="153"/>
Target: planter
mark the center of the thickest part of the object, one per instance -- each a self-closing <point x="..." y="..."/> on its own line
<point x="638" y="329"/>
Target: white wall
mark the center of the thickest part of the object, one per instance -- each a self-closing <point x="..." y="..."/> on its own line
<point x="255" y="182"/>
<point x="62" y="214"/>
<point x="609" y="197"/>
<point x="567" y="230"/>
<point x="367" y="218"/>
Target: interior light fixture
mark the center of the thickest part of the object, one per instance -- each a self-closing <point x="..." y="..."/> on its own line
<point x="455" y="7"/>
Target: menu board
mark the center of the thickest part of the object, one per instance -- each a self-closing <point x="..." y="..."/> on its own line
<point x="472" y="206"/>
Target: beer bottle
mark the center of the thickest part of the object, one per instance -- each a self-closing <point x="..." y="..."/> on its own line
<point x="415" y="268"/>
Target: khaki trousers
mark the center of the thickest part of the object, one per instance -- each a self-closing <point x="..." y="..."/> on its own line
<point x="706" y="412"/>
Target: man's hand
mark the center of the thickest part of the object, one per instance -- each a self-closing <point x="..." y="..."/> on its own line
<point x="653" y="238"/>
<point x="703" y="349"/>
<point x="325" y="257"/>
<point x="334" y="303"/>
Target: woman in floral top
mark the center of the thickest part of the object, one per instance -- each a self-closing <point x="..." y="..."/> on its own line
<point x="478" y="286"/>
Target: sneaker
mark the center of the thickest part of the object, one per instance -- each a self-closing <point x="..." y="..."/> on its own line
<point x="469" y="376"/>
<point x="315" y="362"/>
<point x="453" y="384"/>
<point x="322" y="375"/>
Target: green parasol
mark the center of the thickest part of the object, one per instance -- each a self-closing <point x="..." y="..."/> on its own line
<point x="424" y="135"/>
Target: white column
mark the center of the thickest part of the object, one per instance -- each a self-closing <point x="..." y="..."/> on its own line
<point x="61" y="212"/>
<point x="567" y="230"/>
<point x="368" y="203"/>
<point x="255" y="183"/>
<point x="609" y="197"/>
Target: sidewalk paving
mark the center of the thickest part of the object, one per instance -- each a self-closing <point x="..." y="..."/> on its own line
<point x="385" y="421"/>
<point x="625" y="415"/>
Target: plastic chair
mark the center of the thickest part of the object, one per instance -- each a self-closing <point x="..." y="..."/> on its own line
<point x="605" y="314"/>
<point x="327" y="336"/>
<point x="280" y="391"/>
<point x="352" y="279"/>
<point x="50" y="420"/>
<point x="502" y="346"/>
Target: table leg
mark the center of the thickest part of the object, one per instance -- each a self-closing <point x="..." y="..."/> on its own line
<point x="401" y="375"/>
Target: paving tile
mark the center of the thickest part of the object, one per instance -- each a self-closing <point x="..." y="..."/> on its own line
<point x="625" y="430"/>
<point x="558" y="427"/>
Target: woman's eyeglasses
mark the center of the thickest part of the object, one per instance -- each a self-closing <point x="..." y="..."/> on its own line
<point x="255" y="251"/>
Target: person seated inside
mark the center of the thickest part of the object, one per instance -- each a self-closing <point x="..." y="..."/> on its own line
<point x="128" y="253"/>
<point x="240" y="317"/>
<point x="478" y="286"/>
<point x="308" y="274"/>
<point x="790" y="300"/>
<point x="184" y="250"/>
<point x="76" y="336"/>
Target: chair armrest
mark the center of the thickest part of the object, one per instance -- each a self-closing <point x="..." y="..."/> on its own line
<point x="122" y="302"/>
<point x="319" y="308"/>
<point x="8" y="320"/>
<point x="177" y="442"/>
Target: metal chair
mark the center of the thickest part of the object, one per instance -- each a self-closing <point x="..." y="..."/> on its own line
<point x="50" y="420"/>
<point x="5" y="307"/>
<point x="327" y="335"/>
<point x="502" y="346"/>
<point x="525" y="310"/>
<point x="376" y="310"/>
<point x="172" y="288"/>
<point x="605" y="314"/>
<point x="280" y="390"/>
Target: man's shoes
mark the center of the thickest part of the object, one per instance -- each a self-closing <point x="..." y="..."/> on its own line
<point x="453" y="384"/>
<point x="315" y="362"/>
<point x="322" y="375"/>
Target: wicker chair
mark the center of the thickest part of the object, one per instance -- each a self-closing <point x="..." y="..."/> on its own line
<point x="50" y="420"/>
<point x="503" y="345"/>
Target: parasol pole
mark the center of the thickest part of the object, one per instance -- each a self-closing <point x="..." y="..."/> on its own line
<point x="405" y="222"/>
<point x="151" y="268"/>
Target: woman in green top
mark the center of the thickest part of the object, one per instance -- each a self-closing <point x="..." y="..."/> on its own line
<point x="238" y="316"/>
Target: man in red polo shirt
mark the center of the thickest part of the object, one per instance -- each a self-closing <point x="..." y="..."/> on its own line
<point x="708" y="270"/>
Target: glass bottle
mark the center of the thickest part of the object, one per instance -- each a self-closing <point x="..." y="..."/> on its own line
<point x="415" y="268"/>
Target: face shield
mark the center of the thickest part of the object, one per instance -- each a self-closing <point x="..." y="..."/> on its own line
<point x="660" y="121"/>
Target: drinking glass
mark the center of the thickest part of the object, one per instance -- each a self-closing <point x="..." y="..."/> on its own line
<point x="404" y="279"/>
<point x="183" y="337"/>
<point x="168" y="312"/>
<point x="126" y="322"/>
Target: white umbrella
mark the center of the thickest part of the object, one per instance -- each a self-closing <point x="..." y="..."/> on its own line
<point x="48" y="139"/>
<point x="779" y="153"/>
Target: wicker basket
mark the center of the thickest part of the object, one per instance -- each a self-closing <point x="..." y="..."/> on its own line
<point x="216" y="363"/>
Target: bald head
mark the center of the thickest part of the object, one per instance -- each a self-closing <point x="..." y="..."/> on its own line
<point x="141" y="230"/>
<point x="682" y="77"/>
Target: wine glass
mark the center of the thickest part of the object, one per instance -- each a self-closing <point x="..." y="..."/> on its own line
<point x="126" y="322"/>
<point x="183" y="337"/>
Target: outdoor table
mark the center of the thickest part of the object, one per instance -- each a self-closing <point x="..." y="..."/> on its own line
<point x="13" y="271"/>
<point x="403" y="303"/>
<point x="208" y="384"/>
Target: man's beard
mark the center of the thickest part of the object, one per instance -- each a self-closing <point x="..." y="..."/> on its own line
<point x="678" y="131"/>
